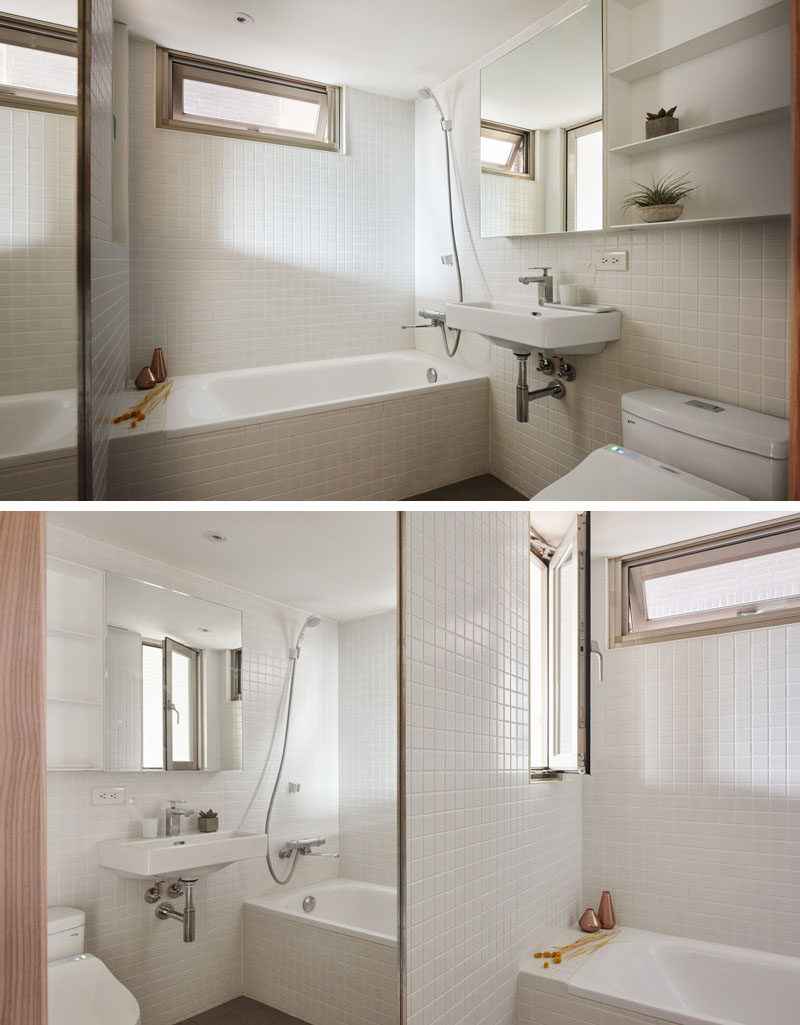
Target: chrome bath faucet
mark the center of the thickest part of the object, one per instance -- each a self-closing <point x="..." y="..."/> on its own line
<point x="173" y="817"/>
<point x="545" y="278"/>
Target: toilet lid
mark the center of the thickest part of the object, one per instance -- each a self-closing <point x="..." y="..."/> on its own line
<point x="82" y="991"/>
<point x="616" y="474"/>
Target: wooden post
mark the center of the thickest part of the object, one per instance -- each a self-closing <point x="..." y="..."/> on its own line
<point x="23" y="888"/>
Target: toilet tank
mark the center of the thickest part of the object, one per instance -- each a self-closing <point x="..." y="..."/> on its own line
<point x="740" y="449"/>
<point x="65" y="932"/>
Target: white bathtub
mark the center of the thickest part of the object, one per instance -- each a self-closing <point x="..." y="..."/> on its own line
<point x="345" y="906"/>
<point x="38" y="426"/>
<point x="676" y="980"/>
<point x="335" y="965"/>
<point x="199" y="403"/>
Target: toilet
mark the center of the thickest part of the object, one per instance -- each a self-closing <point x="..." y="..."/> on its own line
<point x="683" y="448"/>
<point x="80" y="989"/>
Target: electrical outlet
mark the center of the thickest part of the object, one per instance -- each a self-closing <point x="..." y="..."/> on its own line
<point x="611" y="259"/>
<point x="108" y="796"/>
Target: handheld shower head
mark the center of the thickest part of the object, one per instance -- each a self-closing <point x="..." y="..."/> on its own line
<point x="310" y="623"/>
<point x="313" y="621"/>
<point x="426" y="93"/>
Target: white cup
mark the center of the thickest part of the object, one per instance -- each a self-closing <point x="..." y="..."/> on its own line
<point x="568" y="295"/>
<point x="149" y="828"/>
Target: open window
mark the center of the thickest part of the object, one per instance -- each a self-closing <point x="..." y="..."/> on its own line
<point x="584" y="165"/>
<point x="736" y="580"/>
<point x="201" y="95"/>
<point x="180" y="705"/>
<point x="38" y="65"/>
<point x="559" y="673"/>
<point x="506" y="150"/>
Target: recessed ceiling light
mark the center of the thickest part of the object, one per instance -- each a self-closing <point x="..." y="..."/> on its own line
<point x="243" y="19"/>
<point x="215" y="537"/>
<point x="203" y="630"/>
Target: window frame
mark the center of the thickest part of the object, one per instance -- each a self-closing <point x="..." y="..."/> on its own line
<point x="524" y="139"/>
<point x="170" y="765"/>
<point x="38" y="35"/>
<point x="629" y="573"/>
<point x="571" y="170"/>
<point x="578" y="541"/>
<point x="171" y="70"/>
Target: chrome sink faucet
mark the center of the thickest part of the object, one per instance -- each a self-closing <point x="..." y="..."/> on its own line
<point x="174" y="815"/>
<point x="545" y="278"/>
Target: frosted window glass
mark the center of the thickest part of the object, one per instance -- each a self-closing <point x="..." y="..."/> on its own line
<point x="38" y="70"/>
<point x="744" y="582"/>
<point x="181" y="721"/>
<point x="589" y="181"/>
<point x="223" y="103"/>
<point x="152" y="708"/>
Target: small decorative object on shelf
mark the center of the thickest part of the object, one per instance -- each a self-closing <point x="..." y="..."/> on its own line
<point x="589" y="922"/>
<point x="660" y="200"/>
<point x="145" y="379"/>
<point x="208" y="821"/>
<point x="606" y="912"/>
<point x="660" y="123"/>
<point x="159" y="366"/>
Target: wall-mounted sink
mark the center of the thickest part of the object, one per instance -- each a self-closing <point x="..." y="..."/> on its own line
<point x="526" y="329"/>
<point x="195" y="853"/>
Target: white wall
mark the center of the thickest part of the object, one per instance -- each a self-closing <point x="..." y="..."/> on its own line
<point x="38" y="328"/>
<point x="704" y="308"/>
<point x="691" y="815"/>
<point x="248" y="254"/>
<point x="492" y="859"/>
<point x="368" y="749"/>
<point x="170" y="979"/>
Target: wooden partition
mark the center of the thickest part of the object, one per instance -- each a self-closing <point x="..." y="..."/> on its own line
<point x="794" y="288"/>
<point x="23" y="890"/>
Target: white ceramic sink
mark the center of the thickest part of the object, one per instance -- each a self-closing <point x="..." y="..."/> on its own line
<point x="526" y="329"/>
<point x="195" y="854"/>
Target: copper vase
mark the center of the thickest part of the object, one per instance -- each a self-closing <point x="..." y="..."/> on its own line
<point x="159" y="366"/>
<point x="589" y="921"/>
<point x="606" y="911"/>
<point x="145" y="379"/>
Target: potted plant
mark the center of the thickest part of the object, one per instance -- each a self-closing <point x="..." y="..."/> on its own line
<point x="208" y="821"/>
<point x="661" y="123"/>
<point x="660" y="200"/>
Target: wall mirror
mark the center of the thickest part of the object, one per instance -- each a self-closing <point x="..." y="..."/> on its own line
<point x="173" y="680"/>
<point x="542" y="132"/>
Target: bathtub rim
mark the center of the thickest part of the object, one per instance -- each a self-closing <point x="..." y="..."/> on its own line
<point x="270" y="904"/>
<point x="562" y="981"/>
<point x="160" y="421"/>
<point x="28" y="457"/>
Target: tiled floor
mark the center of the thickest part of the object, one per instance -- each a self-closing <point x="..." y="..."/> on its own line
<point x="485" y="488"/>
<point x="242" y="1011"/>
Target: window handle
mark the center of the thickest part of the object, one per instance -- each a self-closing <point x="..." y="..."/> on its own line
<point x="594" y="649"/>
<point x="173" y="708"/>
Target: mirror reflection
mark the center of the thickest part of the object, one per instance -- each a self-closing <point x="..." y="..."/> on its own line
<point x="542" y="132"/>
<point x="174" y="695"/>
<point x="38" y="200"/>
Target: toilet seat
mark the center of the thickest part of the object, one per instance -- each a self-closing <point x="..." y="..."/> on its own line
<point x="82" y="991"/>
<point x="616" y="474"/>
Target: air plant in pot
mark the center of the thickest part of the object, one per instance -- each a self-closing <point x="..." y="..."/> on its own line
<point x="208" y="821"/>
<point x="660" y="200"/>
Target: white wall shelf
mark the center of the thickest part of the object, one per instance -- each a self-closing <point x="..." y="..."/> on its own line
<point x="75" y="666"/>
<point x="705" y="43"/>
<point x="687" y="222"/>
<point x="706" y="131"/>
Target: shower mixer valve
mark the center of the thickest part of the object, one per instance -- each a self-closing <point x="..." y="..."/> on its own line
<point x="304" y="847"/>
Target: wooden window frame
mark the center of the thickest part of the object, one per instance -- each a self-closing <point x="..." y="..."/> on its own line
<point x="629" y="573"/>
<point x="173" y="67"/>
<point x="524" y="141"/>
<point x="38" y="35"/>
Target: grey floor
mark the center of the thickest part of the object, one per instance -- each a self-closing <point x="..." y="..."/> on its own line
<point x="242" y="1011"/>
<point x="485" y="488"/>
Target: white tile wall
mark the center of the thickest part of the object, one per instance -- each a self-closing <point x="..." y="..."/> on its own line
<point x="368" y="749"/>
<point x="492" y="859"/>
<point x="691" y="816"/>
<point x="109" y="271"/>
<point x="170" y="979"/>
<point x="38" y="327"/>
<point x="248" y="254"/>
<point x="704" y="308"/>
<point x="381" y="451"/>
<point x="316" y="975"/>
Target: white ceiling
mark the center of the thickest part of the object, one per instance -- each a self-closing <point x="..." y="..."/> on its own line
<point x="378" y="45"/>
<point x="339" y="565"/>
